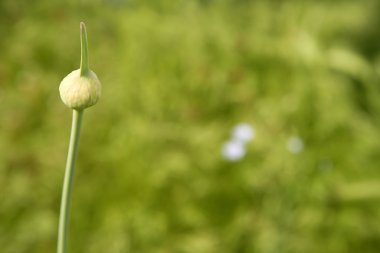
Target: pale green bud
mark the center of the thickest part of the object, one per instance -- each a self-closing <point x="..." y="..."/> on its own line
<point x="79" y="92"/>
<point x="81" y="88"/>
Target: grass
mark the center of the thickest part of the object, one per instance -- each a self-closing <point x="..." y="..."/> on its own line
<point x="179" y="77"/>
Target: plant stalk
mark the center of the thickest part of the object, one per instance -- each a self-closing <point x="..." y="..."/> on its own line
<point x="64" y="218"/>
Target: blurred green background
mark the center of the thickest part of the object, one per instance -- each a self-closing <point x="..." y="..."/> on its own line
<point x="177" y="76"/>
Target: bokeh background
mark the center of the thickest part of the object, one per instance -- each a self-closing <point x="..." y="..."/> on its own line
<point x="177" y="76"/>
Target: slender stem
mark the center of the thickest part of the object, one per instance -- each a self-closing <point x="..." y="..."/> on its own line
<point x="84" y="67"/>
<point x="68" y="182"/>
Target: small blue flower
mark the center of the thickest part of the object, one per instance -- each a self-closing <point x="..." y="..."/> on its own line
<point x="233" y="150"/>
<point x="295" y="145"/>
<point x="243" y="132"/>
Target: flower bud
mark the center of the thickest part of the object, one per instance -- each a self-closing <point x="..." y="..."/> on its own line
<point x="81" y="88"/>
<point x="79" y="92"/>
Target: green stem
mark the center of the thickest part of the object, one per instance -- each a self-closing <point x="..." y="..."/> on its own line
<point x="84" y="67"/>
<point x="68" y="182"/>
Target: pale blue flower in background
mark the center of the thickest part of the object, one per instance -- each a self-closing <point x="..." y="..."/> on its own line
<point x="243" y="132"/>
<point x="295" y="145"/>
<point x="233" y="150"/>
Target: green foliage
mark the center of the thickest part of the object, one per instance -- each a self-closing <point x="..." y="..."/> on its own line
<point x="177" y="76"/>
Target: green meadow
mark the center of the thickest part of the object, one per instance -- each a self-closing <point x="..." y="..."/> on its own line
<point x="177" y="77"/>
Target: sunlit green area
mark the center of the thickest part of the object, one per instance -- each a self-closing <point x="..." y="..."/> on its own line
<point x="177" y="77"/>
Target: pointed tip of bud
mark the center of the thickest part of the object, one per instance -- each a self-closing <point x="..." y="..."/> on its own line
<point x="82" y="26"/>
<point x="81" y="88"/>
<point x="84" y="65"/>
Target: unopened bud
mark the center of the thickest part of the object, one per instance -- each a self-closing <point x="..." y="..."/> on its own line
<point x="79" y="92"/>
<point x="81" y="88"/>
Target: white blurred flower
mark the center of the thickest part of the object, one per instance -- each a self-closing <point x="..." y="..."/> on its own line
<point x="243" y="132"/>
<point x="233" y="150"/>
<point x="295" y="145"/>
